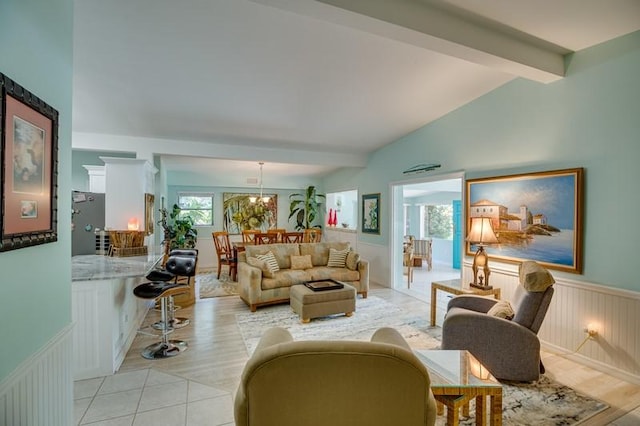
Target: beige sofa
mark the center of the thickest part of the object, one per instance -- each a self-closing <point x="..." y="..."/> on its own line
<point x="337" y="383"/>
<point x="258" y="287"/>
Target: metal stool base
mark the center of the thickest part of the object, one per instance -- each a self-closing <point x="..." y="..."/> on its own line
<point x="175" y="323"/>
<point x="161" y="350"/>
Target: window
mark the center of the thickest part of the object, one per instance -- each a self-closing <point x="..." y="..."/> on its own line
<point x="439" y="221"/>
<point x="198" y="206"/>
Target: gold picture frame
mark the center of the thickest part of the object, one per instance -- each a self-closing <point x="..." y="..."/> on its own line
<point x="535" y="216"/>
<point x="149" y="208"/>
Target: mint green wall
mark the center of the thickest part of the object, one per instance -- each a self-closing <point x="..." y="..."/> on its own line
<point x="35" y="291"/>
<point x="589" y="119"/>
<point x="79" y="158"/>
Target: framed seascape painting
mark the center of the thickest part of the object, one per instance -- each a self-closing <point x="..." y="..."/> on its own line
<point x="239" y="213"/>
<point x="371" y="213"/>
<point x="535" y="216"/>
<point x="29" y="135"/>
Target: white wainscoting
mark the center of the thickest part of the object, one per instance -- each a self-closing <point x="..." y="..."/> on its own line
<point x="378" y="257"/>
<point x="341" y="234"/>
<point x="40" y="390"/>
<point x="575" y="304"/>
<point x="107" y="315"/>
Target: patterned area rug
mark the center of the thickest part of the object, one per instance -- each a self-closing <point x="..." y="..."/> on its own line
<point x="541" y="403"/>
<point x="210" y="286"/>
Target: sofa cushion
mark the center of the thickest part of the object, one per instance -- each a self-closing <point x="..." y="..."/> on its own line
<point x="301" y="262"/>
<point x="320" y="251"/>
<point x="337" y="258"/>
<point x="282" y="252"/>
<point x="338" y="274"/>
<point x="270" y="260"/>
<point x="262" y="265"/>
<point x="285" y="278"/>
<point x="352" y="260"/>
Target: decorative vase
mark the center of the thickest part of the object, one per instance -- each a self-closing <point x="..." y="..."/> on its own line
<point x="330" y="218"/>
<point x="334" y="221"/>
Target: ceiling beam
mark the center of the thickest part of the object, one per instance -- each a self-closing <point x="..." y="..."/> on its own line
<point x="442" y="28"/>
<point x="148" y="147"/>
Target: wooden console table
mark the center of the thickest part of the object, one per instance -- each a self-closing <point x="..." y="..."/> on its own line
<point x="456" y="287"/>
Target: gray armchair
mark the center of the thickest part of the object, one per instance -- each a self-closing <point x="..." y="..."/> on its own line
<point x="337" y="383"/>
<point x="509" y="348"/>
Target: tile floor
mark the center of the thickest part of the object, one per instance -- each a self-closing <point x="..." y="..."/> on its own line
<point x="150" y="397"/>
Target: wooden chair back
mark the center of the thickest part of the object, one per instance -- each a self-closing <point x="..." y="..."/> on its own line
<point x="249" y="235"/>
<point x="225" y="253"/>
<point x="266" y="238"/>
<point x="278" y="232"/>
<point x="292" y="237"/>
<point x="313" y="235"/>
<point x="223" y="244"/>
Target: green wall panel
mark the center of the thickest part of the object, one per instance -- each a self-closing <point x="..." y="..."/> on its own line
<point x="35" y="291"/>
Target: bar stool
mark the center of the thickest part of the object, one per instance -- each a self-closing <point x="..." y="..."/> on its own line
<point x="164" y="291"/>
<point x="168" y="274"/>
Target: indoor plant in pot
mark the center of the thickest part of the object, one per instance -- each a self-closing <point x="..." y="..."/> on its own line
<point x="179" y="230"/>
<point x="305" y="207"/>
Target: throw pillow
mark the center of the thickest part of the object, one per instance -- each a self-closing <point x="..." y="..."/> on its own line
<point x="272" y="263"/>
<point x="301" y="262"/>
<point x="262" y="265"/>
<point x="502" y="309"/>
<point x="352" y="260"/>
<point x="533" y="277"/>
<point x="337" y="258"/>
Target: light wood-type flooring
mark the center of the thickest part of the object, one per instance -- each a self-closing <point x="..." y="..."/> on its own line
<point x="217" y="354"/>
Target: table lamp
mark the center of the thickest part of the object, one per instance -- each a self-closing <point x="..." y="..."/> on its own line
<point x="481" y="233"/>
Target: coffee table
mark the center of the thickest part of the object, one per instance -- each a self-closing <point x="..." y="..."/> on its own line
<point x="457" y="377"/>
<point x="456" y="287"/>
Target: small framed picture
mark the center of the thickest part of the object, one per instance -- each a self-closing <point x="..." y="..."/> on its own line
<point x="371" y="213"/>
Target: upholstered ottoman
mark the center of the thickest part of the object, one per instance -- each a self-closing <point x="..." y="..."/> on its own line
<point x="314" y="304"/>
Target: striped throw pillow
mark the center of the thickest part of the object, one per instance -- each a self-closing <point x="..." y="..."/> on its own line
<point x="337" y="258"/>
<point x="271" y="261"/>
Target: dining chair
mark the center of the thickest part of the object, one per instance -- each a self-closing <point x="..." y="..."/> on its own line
<point x="407" y="261"/>
<point x="292" y="237"/>
<point x="278" y="232"/>
<point x="266" y="238"/>
<point x="313" y="235"/>
<point x="225" y="254"/>
<point x="249" y="235"/>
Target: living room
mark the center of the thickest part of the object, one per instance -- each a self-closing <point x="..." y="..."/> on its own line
<point x="587" y="119"/>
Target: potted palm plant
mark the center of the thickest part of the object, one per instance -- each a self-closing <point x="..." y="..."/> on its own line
<point x="179" y="230"/>
<point x="305" y="208"/>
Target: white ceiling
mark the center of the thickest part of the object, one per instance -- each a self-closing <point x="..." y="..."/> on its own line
<point x="287" y="81"/>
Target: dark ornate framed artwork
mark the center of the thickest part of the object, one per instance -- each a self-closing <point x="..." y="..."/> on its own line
<point x="29" y="155"/>
<point x="371" y="213"/>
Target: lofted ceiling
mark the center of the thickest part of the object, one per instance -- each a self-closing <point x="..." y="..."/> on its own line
<point x="305" y="82"/>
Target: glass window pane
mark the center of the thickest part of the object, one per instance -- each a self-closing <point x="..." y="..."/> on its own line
<point x="197" y="206"/>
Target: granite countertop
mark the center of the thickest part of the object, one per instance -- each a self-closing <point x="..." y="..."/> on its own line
<point x="96" y="267"/>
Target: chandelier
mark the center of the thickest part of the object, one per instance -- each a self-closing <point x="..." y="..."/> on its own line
<point x="261" y="199"/>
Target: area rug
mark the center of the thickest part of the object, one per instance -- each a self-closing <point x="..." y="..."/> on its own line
<point x="543" y="403"/>
<point x="210" y="286"/>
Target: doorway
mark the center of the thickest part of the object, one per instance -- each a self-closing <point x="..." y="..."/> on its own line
<point x="429" y="210"/>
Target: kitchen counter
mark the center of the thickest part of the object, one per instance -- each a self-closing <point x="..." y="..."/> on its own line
<point x="106" y="312"/>
<point x="92" y="267"/>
